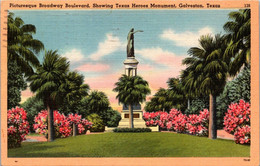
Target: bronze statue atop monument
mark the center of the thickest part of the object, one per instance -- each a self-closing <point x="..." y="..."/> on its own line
<point x="130" y="43"/>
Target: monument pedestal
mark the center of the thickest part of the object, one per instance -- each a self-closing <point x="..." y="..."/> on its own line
<point x="138" y="119"/>
<point x="131" y="70"/>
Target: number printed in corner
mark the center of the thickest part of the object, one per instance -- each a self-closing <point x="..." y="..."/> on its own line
<point x="246" y="5"/>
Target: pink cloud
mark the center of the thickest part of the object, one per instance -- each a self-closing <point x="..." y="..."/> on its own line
<point x="145" y="67"/>
<point x="26" y="94"/>
<point x="93" y="67"/>
<point x="160" y="56"/>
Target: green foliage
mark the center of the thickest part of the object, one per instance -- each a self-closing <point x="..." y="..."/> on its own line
<point x="15" y="84"/>
<point x="74" y="90"/>
<point x="48" y="79"/>
<point x="207" y="69"/>
<point x="133" y="130"/>
<point x="237" y="89"/>
<point x="239" y="35"/>
<point x="32" y="106"/>
<point x="111" y="118"/>
<point x="98" y="125"/>
<point x="197" y="105"/>
<point x="131" y="89"/>
<point x="160" y="101"/>
<point x="97" y="102"/>
<point x="22" y="47"/>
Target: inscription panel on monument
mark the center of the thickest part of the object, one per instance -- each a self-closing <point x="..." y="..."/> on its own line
<point x="134" y="115"/>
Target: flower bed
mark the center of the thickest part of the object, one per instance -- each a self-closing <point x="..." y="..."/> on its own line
<point x="62" y="124"/>
<point x="237" y="121"/>
<point x="17" y="126"/>
<point x="178" y="122"/>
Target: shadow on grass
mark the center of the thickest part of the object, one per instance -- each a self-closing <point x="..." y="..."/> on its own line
<point x="34" y="149"/>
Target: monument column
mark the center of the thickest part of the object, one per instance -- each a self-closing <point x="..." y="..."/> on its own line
<point x="130" y="65"/>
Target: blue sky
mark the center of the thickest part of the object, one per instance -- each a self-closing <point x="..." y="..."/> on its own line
<point x="94" y="41"/>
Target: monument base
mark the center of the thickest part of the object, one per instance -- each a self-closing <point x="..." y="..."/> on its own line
<point x="138" y="119"/>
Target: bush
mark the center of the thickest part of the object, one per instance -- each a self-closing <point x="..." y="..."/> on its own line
<point x="98" y="125"/>
<point x="62" y="124"/>
<point x="32" y="106"/>
<point x="17" y="126"/>
<point x="111" y="118"/>
<point x="237" y="89"/>
<point x="134" y="130"/>
<point x="176" y="121"/>
<point x="237" y="121"/>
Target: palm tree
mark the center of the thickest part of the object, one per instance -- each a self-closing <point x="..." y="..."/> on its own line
<point x="239" y="39"/>
<point x="131" y="90"/>
<point x="97" y="102"/>
<point x="22" y="48"/>
<point x="160" y="101"/>
<point x="207" y="72"/>
<point x="74" y="90"/>
<point x="177" y="93"/>
<point x="47" y="81"/>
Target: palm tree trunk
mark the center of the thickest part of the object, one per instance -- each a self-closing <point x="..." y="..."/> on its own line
<point x="131" y="119"/>
<point x="212" y="117"/>
<point x="74" y="128"/>
<point x="50" y="124"/>
<point x="75" y="131"/>
<point x="188" y="104"/>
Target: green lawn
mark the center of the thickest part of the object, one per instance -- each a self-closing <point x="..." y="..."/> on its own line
<point x="154" y="144"/>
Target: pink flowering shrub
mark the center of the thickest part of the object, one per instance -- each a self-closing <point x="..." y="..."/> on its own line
<point x="62" y="124"/>
<point x="242" y="135"/>
<point x="178" y="122"/>
<point x="198" y="124"/>
<point x="152" y="119"/>
<point x="163" y="120"/>
<point x="17" y="126"/>
<point x="237" y="121"/>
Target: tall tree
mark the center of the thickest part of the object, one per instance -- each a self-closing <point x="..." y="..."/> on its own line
<point x="131" y="90"/>
<point x="177" y="93"/>
<point x="74" y="90"/>
<point x="47" y="81"/>
<point x="97" y="102"/>
<point x="160" y="101"/>
<point x="239" y="34"/>
<point x="15" y="85"/>
<point x="208" y="71"/>
<point x="21" y="53"/>
<point x="22" y="47"/>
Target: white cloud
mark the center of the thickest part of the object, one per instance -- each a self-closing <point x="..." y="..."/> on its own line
<point x="74" y="55"/>
<point x="185" y="39"/>
<point x="160" y="56"/>
<point x="110" y="45"/>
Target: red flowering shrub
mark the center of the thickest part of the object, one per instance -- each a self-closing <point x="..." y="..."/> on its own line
<point x="17" y="126"/>
<point x="198" y="124"/>
<point x="163" y="120"/>
<point x="237" y="121"/>
<point x="176" y="121"/>
<point x="242" y="135"/>
<point x="62" y="124"/>
<point x="152" y="119"/>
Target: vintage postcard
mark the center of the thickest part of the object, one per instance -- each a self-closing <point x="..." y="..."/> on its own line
<point x="129" y="82"/>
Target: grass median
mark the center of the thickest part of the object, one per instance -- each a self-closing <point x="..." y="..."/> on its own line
<point x="154" y="144"/>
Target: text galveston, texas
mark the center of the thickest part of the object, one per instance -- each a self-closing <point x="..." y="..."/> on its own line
<point x="113" y="5"/>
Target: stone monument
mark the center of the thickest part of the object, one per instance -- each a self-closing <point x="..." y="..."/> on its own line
<point x="131" y="70"/>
